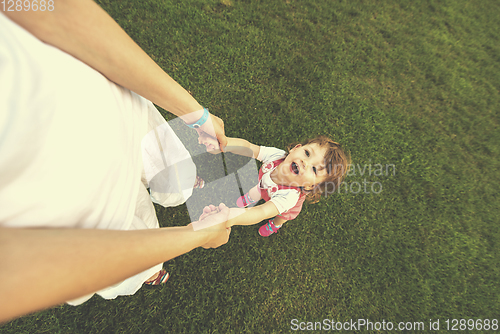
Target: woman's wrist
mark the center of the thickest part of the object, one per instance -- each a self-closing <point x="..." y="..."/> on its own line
<point x="197" y="118"/>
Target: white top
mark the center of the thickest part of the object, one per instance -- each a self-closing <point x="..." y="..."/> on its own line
<point x="70" y="147"/>
<point x="70" y="139"/>
<point x="284" y="199"/>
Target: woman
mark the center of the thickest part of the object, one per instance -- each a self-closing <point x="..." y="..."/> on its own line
<point x="74" y="109"/>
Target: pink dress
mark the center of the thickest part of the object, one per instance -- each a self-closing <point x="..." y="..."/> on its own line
<point x="267" y="193"/>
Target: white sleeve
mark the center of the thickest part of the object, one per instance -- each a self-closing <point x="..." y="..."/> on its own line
<point x="270" y="154"/>
<point x="285" y="199"/>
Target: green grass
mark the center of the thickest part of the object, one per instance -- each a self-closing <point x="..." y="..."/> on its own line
<point x="409" y="83"/>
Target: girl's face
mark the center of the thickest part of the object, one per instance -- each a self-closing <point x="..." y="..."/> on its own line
<point x="305" y="166"/>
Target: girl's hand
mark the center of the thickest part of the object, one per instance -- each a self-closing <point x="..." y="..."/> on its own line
<point x="209" y="210"/>
<point x="215" y="219"/>
<point x="211" y="143"/>
<point x="214" y="127"/>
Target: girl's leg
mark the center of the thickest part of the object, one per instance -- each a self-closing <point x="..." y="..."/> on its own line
<point x="278" y="221"/>
<point x="254" y="193"/>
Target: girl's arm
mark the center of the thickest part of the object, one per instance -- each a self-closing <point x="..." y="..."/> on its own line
<point x="242" y="147"/>
<point x="84" y="30"/>
<point x="254" y="215"/>
<point x="234" y="145"/>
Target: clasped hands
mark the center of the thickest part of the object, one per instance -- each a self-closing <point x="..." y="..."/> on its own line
<point x="212" y="135"/>
<point x="218" y="231"/>
<point x="210" y="142"/>
<point x="216" y="216"/>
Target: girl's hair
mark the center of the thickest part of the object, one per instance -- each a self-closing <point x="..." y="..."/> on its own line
<point x="336" y="162"/>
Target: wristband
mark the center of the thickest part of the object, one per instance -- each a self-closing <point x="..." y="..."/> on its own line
<point x="201" y="121"/>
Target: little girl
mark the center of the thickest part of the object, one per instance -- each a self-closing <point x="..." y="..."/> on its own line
<point x="286" y="179"/>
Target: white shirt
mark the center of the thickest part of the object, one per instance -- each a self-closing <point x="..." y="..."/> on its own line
<point x="283" y="199"/>
<point x="69" y="139"/>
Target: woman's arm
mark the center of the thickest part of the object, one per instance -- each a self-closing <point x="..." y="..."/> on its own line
<point x="40" y="268"/>
<point x="251" y="216"/>
<point x="84" y="30"/>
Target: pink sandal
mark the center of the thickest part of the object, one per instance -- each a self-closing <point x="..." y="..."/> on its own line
<point x="268" y="228"/>
<point x="244" y="201"/>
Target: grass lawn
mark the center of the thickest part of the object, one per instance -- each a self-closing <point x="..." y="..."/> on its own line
<point x="409" y="88"/>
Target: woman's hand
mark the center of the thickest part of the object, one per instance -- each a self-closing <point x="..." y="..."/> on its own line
<point x="214" y="127"/>
<point x="213" y="221"/>
<point x="211" y="143"/>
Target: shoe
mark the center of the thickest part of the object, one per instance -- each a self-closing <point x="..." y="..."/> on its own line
<point x="199" y="184"/>
<point x="162" y="278"/>
<point x="268" y="228"/>
<point x="244" y="201"/>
